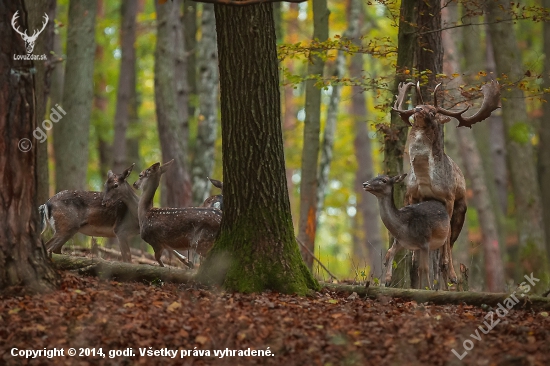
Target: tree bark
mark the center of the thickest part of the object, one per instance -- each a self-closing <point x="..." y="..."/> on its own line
<point x="370" y="240"/>
<point x="36" y="11"/>
<point x="128" y="13"/>
<point x="494" y="268"/>
<point x="395" y="136"/>
<point x="544" y="135"/>
<point x="78" y="91"/>
<point x="256" y="248"/>
<point x="203" y="161"/>
<point x="191" y="51"/>
<point x="528" y="209"/>
<point x="307" y="225"/>
<point x="23" y="261"/>
<point x="170" y="108"/>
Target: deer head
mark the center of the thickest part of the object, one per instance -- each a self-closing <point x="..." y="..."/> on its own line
<point x="114" y="183"/>
<point x="382" y="185"/>
<point x="426" y="115"/>
<point x="29" y="40"/>
<point x="151" y="175"/>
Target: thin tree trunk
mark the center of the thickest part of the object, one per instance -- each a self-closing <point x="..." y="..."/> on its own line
<point x="289" y="102"/>
<point x="23" y="260"/>
<point x="528" y="208"/>
<point x="312" y="127"/>
<point x="203" y="162"/>
<point x="368" y="213"/>
<point x="56" y="96"/>
<point x="497" y="141"/>
<point x="71" y="143"/>
<point x="169" y="107"/>
<point x="36" y="11"/>
<point x="256" y="248"/>
<point x="191" y="53"/>
<point x="395" y="136"/>
<point x="494" y="269"/>
<point x="544" y="135"/>
<point x="128" y="13"/>
<point x="101" y="102"/>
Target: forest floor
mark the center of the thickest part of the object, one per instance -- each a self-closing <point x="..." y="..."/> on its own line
<point x="103" y="317"/>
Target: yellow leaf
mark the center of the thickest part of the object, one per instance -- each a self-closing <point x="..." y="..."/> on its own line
<point x="201" y="339"/>
<point x="129" y="305"/>
<point x="174" y="306"/>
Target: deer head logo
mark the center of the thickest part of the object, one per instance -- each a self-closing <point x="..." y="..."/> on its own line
<point x="29" y="40"/>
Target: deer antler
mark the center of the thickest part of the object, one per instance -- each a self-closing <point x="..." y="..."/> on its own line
<point x="400" y="98"/>
<point x="15" y="16"/>
<point x="35" y="35"/>
<point x="491" y="97"/>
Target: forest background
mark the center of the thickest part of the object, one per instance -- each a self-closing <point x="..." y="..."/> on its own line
<point x="356" y="60"/>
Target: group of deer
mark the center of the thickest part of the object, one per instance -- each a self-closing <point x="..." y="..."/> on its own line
<point x="435" y="202"/>
<point x="119" y="212"/>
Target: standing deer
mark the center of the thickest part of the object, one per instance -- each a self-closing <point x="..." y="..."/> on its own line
<point x="173" y="228"/>
<point x="434" y="175"/>
<point x="70" y="212"/>
<point x="422" y="226"/>
<point x="217" y="200"/>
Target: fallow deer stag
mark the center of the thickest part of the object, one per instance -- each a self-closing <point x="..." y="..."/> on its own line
<point x="434" y="175"/>
<point x="70" y="212"/>
<point x="173" y="228"/>
<point x="423" y="226"/>
<point x="217" y="200"/>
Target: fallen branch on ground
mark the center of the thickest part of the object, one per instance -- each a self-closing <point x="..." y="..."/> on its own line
<point x="120" y="271"/>
<point x="444" y="297"/>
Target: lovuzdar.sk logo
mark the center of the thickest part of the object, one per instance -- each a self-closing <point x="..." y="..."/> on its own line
<point x="29" y="40"/>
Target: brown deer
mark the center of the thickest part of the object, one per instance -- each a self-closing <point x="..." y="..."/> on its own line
<point x="434" y="175"/>
<point x="422" y="226"/>
<point x="70" y="212"/>
<point x="217" y="200"/>
<point x="173" y="228"/>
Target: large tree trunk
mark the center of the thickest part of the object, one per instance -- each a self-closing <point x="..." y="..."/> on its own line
<point x="23" y="260"/>
<point x="128" y="12"/>
<point x="168" y="99"/>
<point x="36" y="11"/>
<point x="395" y="137"/>
<point x="544" y="135"/>
<point x="256" y="249"/>
<point x="528" y="208"/>
<point x="471" y="159"/>
<point x="203" y="161"/>
<point x="312" y="127"/>
<point x="429" y="57"/>
<point x="71" y="142"/>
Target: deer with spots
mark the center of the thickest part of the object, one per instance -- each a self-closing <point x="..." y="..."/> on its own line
<point x="173" y="228"/>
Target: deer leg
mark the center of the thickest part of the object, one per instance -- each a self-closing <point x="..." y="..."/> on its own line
<point x="424" y="268"/>
<point x="183" y="259"/>
<point x="158" y="254"/>
<point x="123" y="237"/>
<point x="388" y="261"/>
<point x="446" y="260"/>
<point x="58" y="240"/>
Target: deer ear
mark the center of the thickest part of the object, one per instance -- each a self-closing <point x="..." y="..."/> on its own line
<point x="127" y="172"/>
<point x="399" y="178"/>
<point x="216" y="183"/>
<point x="165" y="166"/>
<point x="442" y="119"/>
<point x="110" y="174"/>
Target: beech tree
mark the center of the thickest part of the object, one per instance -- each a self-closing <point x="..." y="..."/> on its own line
<point x="23" y="259"/>
<point x="256" y="248"/>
